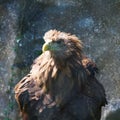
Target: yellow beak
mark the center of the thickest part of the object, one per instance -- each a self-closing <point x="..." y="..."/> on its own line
<point x="46" y="47"/>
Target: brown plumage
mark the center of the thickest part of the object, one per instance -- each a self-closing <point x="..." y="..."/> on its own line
<point x="61" y="84"/>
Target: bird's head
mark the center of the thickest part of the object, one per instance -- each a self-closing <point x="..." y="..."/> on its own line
<point x="61" y="44"/>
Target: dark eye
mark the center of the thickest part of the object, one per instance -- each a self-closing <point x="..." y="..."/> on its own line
<point x="59" y="41"/>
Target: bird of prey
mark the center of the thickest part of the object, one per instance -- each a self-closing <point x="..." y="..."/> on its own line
<point x="61" y="84"/>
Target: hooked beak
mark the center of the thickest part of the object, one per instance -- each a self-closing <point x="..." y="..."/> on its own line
<point x="46" y="46"/>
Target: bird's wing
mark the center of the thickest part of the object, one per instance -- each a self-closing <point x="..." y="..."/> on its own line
<point x="93" y="88"/>
<point x="29" y="95"/>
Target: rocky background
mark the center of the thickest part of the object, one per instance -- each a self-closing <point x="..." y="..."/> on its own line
<point x="23" y="24"/>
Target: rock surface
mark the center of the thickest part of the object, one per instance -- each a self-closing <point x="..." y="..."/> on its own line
<point x="23" y="24"/>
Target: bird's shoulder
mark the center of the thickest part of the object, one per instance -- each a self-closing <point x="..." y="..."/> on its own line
<point x="90" y="66"/>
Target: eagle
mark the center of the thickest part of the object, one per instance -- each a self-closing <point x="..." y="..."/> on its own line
<point x="61" y="84"/>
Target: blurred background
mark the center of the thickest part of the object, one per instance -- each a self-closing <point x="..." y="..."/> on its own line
<point x="23" y="24"/>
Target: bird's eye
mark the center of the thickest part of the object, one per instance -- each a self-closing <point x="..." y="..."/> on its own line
<point x="59" y="41"/>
